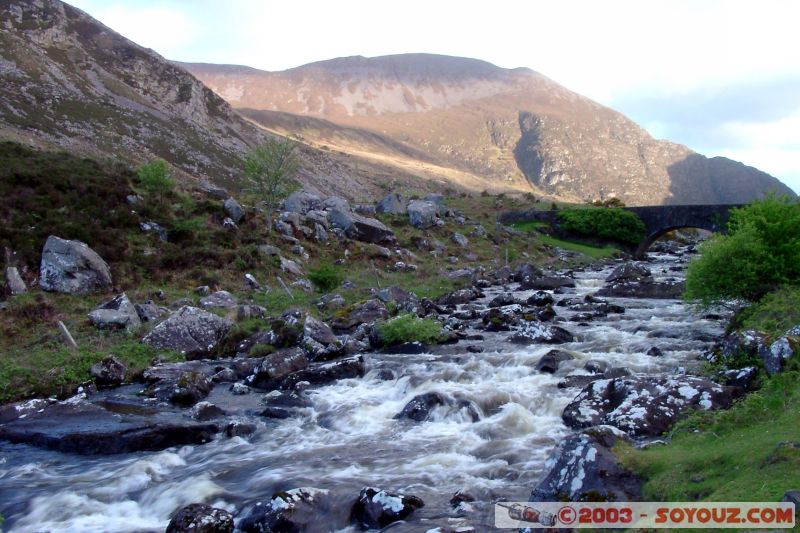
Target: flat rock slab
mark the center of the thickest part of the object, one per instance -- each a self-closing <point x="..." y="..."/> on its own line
<point x="88" y="429"/>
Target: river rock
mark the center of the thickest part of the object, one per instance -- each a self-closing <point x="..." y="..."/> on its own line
<point x="422" y="214"/>
<point x="72" y="267"/>
<point x="200" y="518"/>
<point x="420" y="406"/>
<point x="629" y="272"/>
<point x="540" y="299"/>
<point x="583" y="468"/>
<point x="190" y="331"/>
<point x="109" y="372"/>
<point x="284" y="404"/>
<point x="88" y="429"/>
<point x="744" y="378"/>
<point x="532" y="332"/>
<point x="324" y="373"/>
<point x="119" y="313"/>
<point x="293" y="511"/>
<point x="302" y="202"/>
<point x="644" y="289"/>
<point x="363" y="313"/>
<point x="525" y="273"/>
<point x="551" y="360"/>
<point x="219" y="300"/>
<point x="14" y="283"/>
<point x="547" y="283"/>
<point x="234" y="210"/>
<point x="644" y="405"/>
<point x="319" y="342"/>
<point x="205" y="411"/>
<point x="391" y="204"/>
<point x="503" y="299"/>
<point x="276" y="366"/>
<point x="361" y="228"/>
<point x="460" y="296"/>
<point x="377" y="508"/>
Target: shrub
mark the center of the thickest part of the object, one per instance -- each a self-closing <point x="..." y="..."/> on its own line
<point x="325" y="277"/>
<point x="409" y="328"/>
<point x="270" y="169"/>
<point x="156" y="179"/>
<point x="760" y="253"/>
<point x="609" y="223"/>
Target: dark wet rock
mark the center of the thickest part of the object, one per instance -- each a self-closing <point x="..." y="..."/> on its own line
<point x="537" y="332"/>
<point x="239" y="429"/>
<point x="148" y="311"/>
<point x="420" y="407"/>
<point x="364" y="313"/>
<point x="292" y="511"/>
<point x="629" y="272"/>
<point x="234" y="209"/>
<point x="377" y="508"/>
<point x="552" y="360"/>
<point x="744" y="378"/>
<point x="219" y="299"/>
<point x="474" y="349"/>
<point x="190" y="388"/>
<point x="644" y="289"/>
<point x="540" y="299"/>
<point x="526" y="273"/>
<point x="547" y="314"/>
<point x="502" y="300"/>
<point x="578" y="381"/>
<point x="644" y="405"/>
<point x="391" y="204"/>
<point x="778" y="352"/>
<point x="583" y="468"/>
<point x="324" y="373"/>
<point x="284" y="404"/>
<point x="547" y="283"/>
<point x="319" y="342"/>
<point x="302" y="202"/>
<point x="88" y="429"/>
<point x="205" y="411"/>
<point x="109" y="372"/>
<point x="361" y="228"/>
<point x="501" y="318"/>
<point x="72" y="267"/>
<point x="276" y="366"/>
<point x="501" y="276"/>
<point x="408" y="348"/>
<point x="13" y="411"/>
<point x="118" y="313"/>
<point x="201" y="518"/>
<point x="655" y="351"/>
<point x="190" y="331"/>
<point x="422" y="214"/>
<point x="595" y="366"/>
<point x="458" y="297"/>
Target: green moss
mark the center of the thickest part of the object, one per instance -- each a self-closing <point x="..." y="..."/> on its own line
<point x="410" y="328"/>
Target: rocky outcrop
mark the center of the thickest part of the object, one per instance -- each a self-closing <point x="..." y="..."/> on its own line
<point x="118" y="313"/>
<point x="200" y="518"/>
<point x="72" y="267"/>
<point x="377" y="508"/>
<point x="190" y="331"/>
<point x="644" y="405"/>
<point x="296" y="510"/>
<point x="361" y="228"/>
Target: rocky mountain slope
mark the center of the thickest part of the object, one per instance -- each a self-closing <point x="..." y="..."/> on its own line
<point x="513" y="128"/>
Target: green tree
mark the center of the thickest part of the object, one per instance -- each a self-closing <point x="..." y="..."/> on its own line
<point x="270" y="169"/>
<point x="760" y="253"/>
<point x="156" y="179"/>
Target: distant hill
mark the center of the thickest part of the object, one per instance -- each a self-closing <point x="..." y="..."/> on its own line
<point x="463" y="117"/>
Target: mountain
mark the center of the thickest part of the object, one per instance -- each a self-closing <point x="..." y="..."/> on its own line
<point x="477" y="124"/>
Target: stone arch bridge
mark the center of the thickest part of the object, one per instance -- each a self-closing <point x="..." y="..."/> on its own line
<point x="658" y="219"/>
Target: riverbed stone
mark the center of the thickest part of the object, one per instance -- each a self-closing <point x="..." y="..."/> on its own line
<point x="419" y="407"/>
<point x="274" y="367"/>
<point x="645" y="405"/>
<point x="547" y="283"/>
<point x="324" y="373"/>
<point x="292" y="511"/>
<point x="629" y="272"/>
<point x="72" y="267"/>
<point x="376" y="508"/>
<point x="552" y="360"/>
<point x="643" y="289"/>
<point x="532" y="332"/>
<point x="190" y="331"/>
<point x="200" y="518"/>
<point x="109" y="372"/>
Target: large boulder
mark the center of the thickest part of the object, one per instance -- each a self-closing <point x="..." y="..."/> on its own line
<point x="302" y="202"/>
<point x="319" y="342"/>
<point x="324" y="373"/>
<point x="377" y="508"/>
<point x="118" y="313"/>
<point x="391" y="204"/>
<point x="361" y="228"/>
<point x="190" y="331"/>
<point x="72" y="267"/>
<point x="583" y="468"/>
<point x="629" y="272"/>
<point x="201" y="518"/>
<point x="422" y="214"/>
<point x="644" y="405"/>
<point x="293" y="511"/>
<point x="532" y="332"/>
<point x="276" y="366"/>
<point x="552" y="360"/>
<point x="419" y="407"/>
<point x="363" y="313"/>
<point x="234" y="209"/>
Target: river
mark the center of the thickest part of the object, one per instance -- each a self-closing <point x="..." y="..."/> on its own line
<point x="349" y="437"/>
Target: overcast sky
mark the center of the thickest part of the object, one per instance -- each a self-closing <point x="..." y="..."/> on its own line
<point x="722" y="77"/>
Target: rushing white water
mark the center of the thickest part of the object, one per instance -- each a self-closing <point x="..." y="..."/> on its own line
<point x="349" y="439"/>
